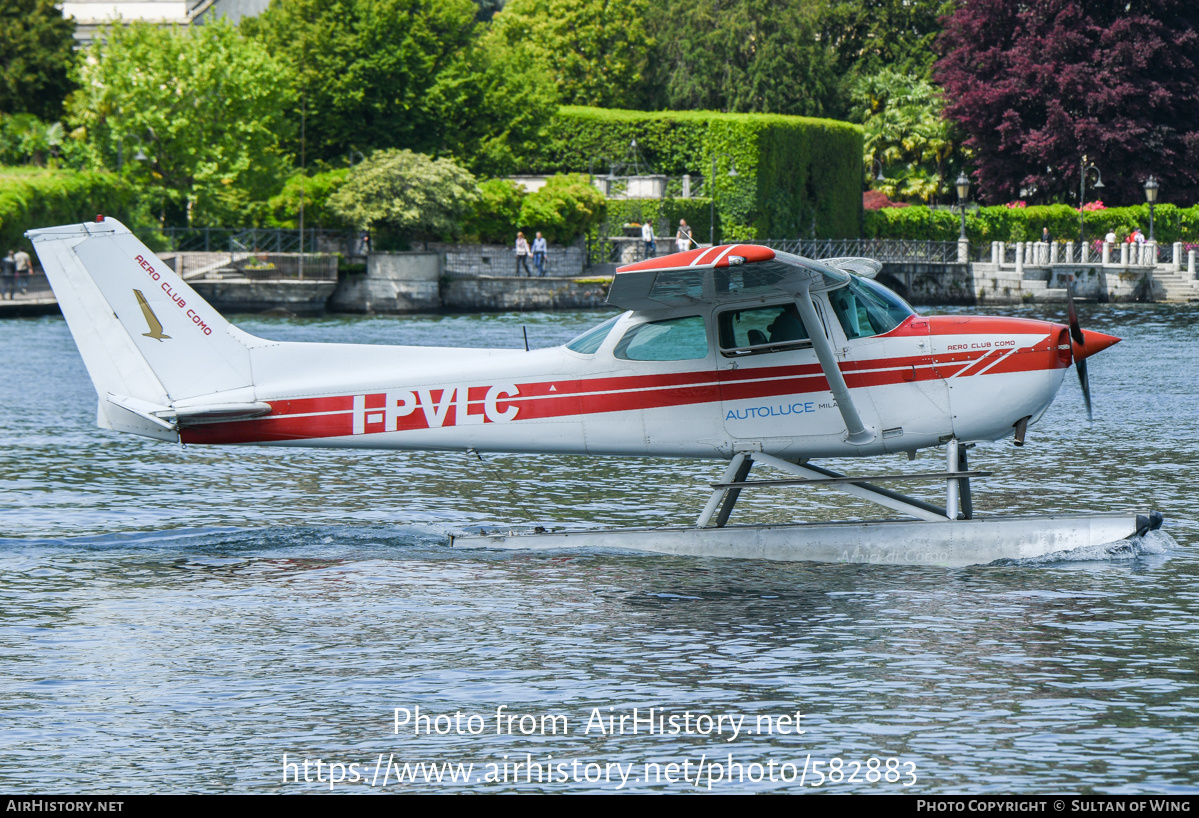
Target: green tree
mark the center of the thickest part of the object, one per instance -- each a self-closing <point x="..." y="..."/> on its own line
<point x="206" y="107"/>
<point x="565" y="208"/>
<point x="367" y="71"/>
<point x="497" y="212"/>
<point x="743" y="56"/>
<point x="783" y="56"/>
<point x="869" y="35"/>
<point x="413" y="195"/>
<point x="596" y="51"/>
<point x="25" y="139"/>
<point x="907" y="135"/>
<point x="489" y="101"/>
<point x="314" y="193"/>
<point x="36" y="56"/>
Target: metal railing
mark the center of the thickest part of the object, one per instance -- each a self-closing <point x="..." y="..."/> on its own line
<point x="24" y="288"/>
<point x="887" y="250"/>
<point x="254" y="239"/>
<point x="629" y="249"/>
<point x="208" y="266"/>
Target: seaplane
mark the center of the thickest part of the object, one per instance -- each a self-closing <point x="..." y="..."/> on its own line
<point x="736" y="353"/>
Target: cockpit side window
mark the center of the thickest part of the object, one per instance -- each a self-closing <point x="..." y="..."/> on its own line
<point x="591" y="340"/>
<point x="762" y="329"/>
<point x="675" y="339"/>
<point x="866" y="308"/>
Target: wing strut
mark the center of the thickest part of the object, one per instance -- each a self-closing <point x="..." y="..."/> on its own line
<point x="858" y="433"/>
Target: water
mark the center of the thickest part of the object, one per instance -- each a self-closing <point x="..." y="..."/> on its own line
<point x="177" y="619"/>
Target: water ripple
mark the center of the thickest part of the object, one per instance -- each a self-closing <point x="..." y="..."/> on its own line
<point x="176" y="619"/>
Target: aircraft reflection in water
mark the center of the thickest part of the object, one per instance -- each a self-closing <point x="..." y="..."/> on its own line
<point x="737" y="353"/>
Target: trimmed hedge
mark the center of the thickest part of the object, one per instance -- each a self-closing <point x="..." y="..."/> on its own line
<point x="36" y="197"/>
<point x="987" y="224"/>
<point x="796" y="176"/>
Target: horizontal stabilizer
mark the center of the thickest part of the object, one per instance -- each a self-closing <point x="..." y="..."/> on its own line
<point x="171" y="418"/>
<point x="158" y="415"/>
<point x="220" y="413"/>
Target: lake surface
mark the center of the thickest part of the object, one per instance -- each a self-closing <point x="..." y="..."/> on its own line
<point x="178" y="619"/>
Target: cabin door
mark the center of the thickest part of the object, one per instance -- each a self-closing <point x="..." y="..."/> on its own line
<point x="771" y="384"/>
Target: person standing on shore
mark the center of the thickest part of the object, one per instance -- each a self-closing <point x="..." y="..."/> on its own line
<point x="647" y="236"/>
<point x="24" y="270"/>
<point x="682" y="238"/>
<point x="8" y="277"/>
<point x="522" y="254"/>
<point x="540" y="248"/>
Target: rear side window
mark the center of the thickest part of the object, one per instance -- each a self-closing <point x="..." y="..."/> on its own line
<point x="763" y="329"/>
<point x="593" y="339"/>
<point x="676" y="339"/>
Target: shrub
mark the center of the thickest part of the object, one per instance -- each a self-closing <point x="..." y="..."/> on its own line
<point x="406" y="194"/>
<point x="796" y="176"/>
<point x="877" y="200"/>
<point x="34" y="197"/>
<point x="316" y="192"/>
<point x="566" y="208"/>
<point x="495" y="217"/>
<point x="1009" y="224"/>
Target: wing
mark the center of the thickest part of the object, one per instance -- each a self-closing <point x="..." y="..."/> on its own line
<point x="712" y="274"/>
<point x="716" y="273"/>
<point x="864" y="267"/>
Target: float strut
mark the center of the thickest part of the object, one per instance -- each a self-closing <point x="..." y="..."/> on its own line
<point x="730" y="499"/>
<point x="732" y="471"/>
<point x="951" y="485"/>
<point x="964" y="485"/>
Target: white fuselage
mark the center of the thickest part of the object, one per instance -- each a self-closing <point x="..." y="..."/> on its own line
<point x="926" y="381"/>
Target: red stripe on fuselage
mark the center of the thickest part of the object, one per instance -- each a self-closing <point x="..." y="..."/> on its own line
<point x="333" y="416"/>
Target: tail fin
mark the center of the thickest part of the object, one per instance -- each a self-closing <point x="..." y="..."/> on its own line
<point x="149" y="341"/>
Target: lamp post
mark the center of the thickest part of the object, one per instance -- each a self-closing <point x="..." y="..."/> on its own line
<point x="1151" y="187"/>
<point x="963" y="186"/>
<point x="140" y="156"/>
<point x="1082" y="194"/>
<point x="875" y="163"/>
<point x="609" y="178"/>
<point x="712" y="194"/>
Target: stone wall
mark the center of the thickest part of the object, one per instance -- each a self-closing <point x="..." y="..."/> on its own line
<point x="240" y="295"/>
<point x="397" y="283"/>
<point x="981" y="283"/>
<point x="495" y="294"/>
<point x="462" y="260"/>
<point x="927" y="283"/>
<point x="995" y="284"/>
<point x="394" y="283"/>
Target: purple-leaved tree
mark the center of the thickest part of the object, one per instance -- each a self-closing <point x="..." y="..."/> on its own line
<point x="1037" y="86"/>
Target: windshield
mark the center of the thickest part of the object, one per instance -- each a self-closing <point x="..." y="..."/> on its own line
<point x="866" y="308"/>
<point x="593" y="339"/>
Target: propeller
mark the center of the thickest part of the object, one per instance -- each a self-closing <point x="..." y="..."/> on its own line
<point x="1084" y="344"/>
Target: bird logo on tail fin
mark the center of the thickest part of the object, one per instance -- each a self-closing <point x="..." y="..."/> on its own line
<point x="151" y="319"/>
